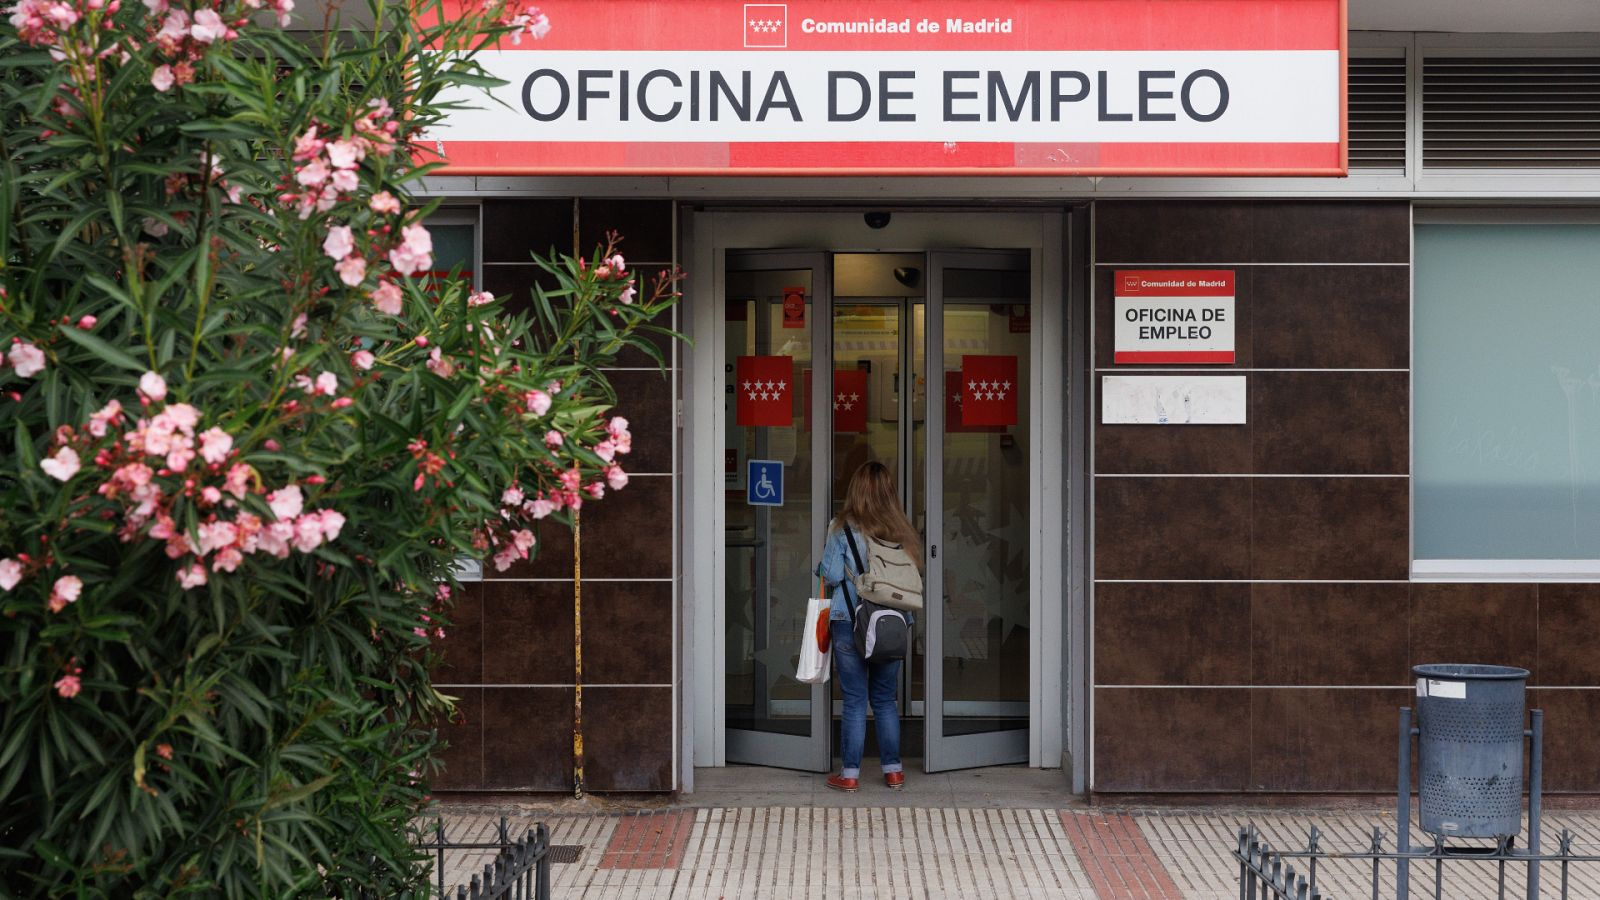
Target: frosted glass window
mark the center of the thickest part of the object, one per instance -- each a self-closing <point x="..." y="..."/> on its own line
<point x="1506" y="405"/>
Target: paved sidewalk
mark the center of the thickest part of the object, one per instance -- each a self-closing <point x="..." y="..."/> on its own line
<point x="994" y="833"/>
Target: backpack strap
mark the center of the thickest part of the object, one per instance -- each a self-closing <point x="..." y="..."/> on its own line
<point x="849" y="537"/>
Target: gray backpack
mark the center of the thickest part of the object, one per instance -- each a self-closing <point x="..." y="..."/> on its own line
<point x="889" y="577"/>
<point x="883" y="633"/>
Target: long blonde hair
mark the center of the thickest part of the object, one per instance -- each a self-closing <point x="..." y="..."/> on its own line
<point x="872" y="507"/>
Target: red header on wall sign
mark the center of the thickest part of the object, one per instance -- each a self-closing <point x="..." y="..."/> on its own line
<point x="1040" y="87"/>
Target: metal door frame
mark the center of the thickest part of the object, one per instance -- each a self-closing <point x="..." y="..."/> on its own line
<point x="710" y="234"/>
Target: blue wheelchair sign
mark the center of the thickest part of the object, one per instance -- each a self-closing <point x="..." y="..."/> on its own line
<point x="764" y="484"/>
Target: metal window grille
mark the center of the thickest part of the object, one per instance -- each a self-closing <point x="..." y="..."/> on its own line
<point x="1377" y="115"/>
<point x="1511" y="112"/>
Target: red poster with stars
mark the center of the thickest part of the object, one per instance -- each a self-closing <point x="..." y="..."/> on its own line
<point x="765" y="390"/>
<point x="954" y="388"/>
<point x="850" y="400"/>
<point x="989" y="390"/>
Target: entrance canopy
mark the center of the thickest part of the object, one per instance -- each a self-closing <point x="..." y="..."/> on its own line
<point x="842" y="87"/>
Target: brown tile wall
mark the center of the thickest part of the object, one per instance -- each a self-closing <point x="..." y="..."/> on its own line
<point x="1254" y="625"/>
<point x="508" y="657"/>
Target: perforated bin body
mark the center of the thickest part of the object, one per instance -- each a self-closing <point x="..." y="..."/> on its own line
<point x="1469" y="749"/>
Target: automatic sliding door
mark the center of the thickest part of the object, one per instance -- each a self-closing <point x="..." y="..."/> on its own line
<point x="979" y="585"/>
<point x="777" y="323"/>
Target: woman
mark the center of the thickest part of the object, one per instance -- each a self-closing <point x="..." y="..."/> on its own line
<point x="871" y="509"/>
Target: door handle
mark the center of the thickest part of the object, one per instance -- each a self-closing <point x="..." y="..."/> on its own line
<point x="933" y="550"/>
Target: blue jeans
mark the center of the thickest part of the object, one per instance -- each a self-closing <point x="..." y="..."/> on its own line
<point x="860" y="680"/>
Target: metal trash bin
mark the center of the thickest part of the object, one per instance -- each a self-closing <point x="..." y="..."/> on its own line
<point x="1470" y="739"/>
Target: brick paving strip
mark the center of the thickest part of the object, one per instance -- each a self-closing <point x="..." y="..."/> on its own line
<point x="648" y="841"/>
<point x="1117" y="858"/>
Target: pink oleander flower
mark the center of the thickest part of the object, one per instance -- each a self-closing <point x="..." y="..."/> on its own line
<point x="66" y="590"/>
<point x="481" y="298"/>
<point x="174" y="28"/>
<point x="339" y="242"/>
<point x="226" y="560"/>
<point x="523" y="540"/>
<point x="211" y="495"/>
<point x="332" y="523"/>
<point x="617" y="264"/>
<point x="153" y="387"/>
<point x="191" y="576"/>
<point x="10" y="574"/>
<point x="344" y="180"/>
<point x="539" y="508"/>
<point x="27" y="359"/>
<point x="362" y="359"/>
<point x="595" y="489"/>
<point x="345" y="154"/>
<point x="215" y="444"/>
<point x="440" y="366"/>
<point x="87" y="322"/>
<point x="297" y="329"/>
<point x="415" y="251"/>
<point x="63" y="465"/>
<point x="208" y="26"/>
<point x="107" y="416"/>
<point x="286" y="502"/>
<point x="179" y="457"/>
<point x="162" y="80"/>
<point x="615" y="477"/>
<point x="352" y="270"/>
<point x="238" y="481"/>
<point x="384" y="203"/>
<point x="627" y="295"/>
<point x="553" y="439"/>
<point x="307" y="146"/>
<point x="313" y="174"/>
<point x="307" y="532"/>
<point x="617" y="429"/>
<point x="387" y="298"/>
<point x="538" y="402"/>
<point x="68" y="686"/>
<point x="570" y="479"/>
<point x="606" y="450"/>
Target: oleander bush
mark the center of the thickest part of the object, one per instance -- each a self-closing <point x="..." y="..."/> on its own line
<point x="246" y="432"/>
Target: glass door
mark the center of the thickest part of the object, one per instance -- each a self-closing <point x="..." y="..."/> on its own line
<point x="978" y="499"/>
<point x="776" y="502"/>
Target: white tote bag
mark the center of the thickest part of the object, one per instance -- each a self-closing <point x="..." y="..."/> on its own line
<point x="814" y="642"/>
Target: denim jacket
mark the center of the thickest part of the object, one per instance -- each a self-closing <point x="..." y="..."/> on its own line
<point x="838" y="568"/>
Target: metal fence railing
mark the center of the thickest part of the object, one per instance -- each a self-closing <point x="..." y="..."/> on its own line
<point x="519" y="871"/>
<point x="1268" y="874"/>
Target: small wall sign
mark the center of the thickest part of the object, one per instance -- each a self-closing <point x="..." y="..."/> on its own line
<point x="1172" y="400"/>
<point x="1176" y="317"/>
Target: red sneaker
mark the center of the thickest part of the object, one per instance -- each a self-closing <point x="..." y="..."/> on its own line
<point x="841" y="783"/>
<point x="896" y="780"/>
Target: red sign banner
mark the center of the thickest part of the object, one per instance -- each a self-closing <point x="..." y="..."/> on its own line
<point x="765" y="391"/>
<point x="870" y="87"/>
<point x="989" y="390"/>
<point x="794" y="307"/>
<point x="954" y="420"/>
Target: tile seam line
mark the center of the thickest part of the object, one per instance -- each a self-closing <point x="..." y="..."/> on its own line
<point x="1180" y="266"/>
<point x="1246" y="475"/>
<point x="1156" y="369"/>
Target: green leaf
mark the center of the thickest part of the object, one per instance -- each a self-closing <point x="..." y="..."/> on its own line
<point x="94" y="344"/>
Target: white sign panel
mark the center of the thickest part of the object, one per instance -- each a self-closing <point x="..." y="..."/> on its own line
<point x="1173" y="317"/>
<point x="1172" y="400"/>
